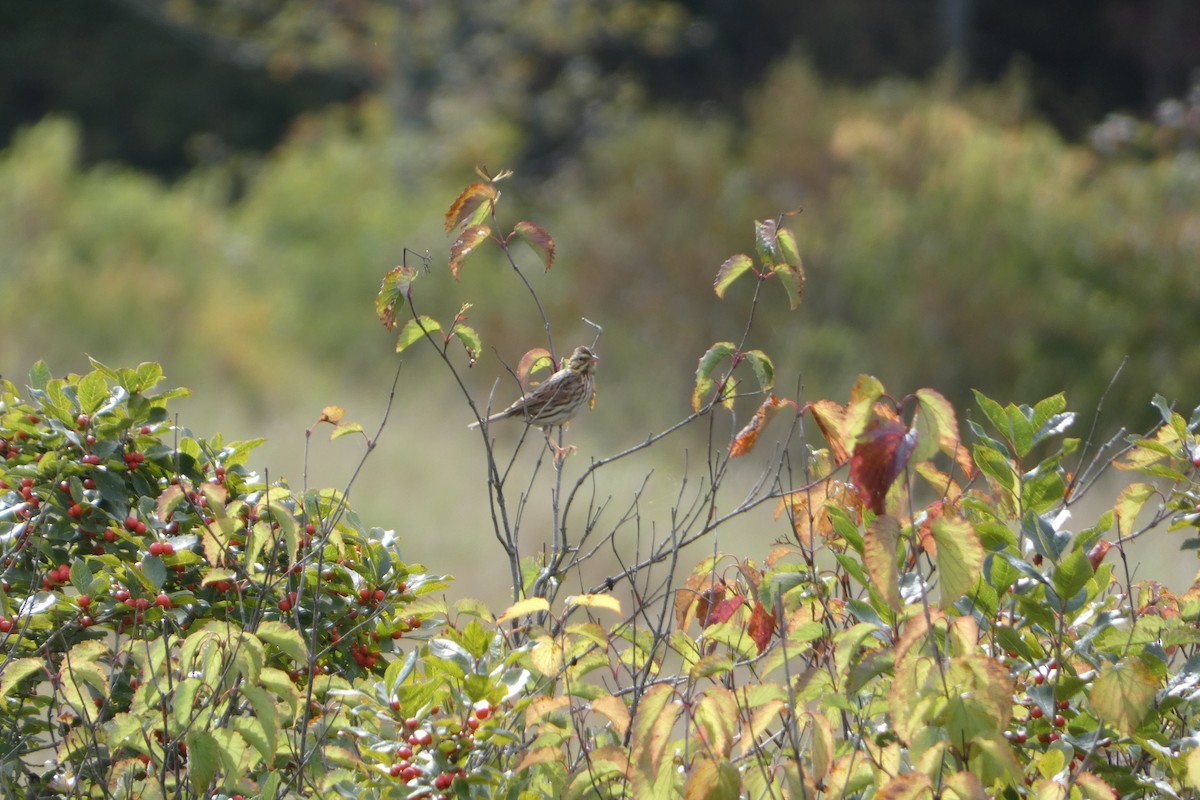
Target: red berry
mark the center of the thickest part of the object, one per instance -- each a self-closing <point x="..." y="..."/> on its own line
<point x="310" y="529"/>
<point x="156" y="548"/>
<point x="131" y="523"/>
<point x="380" y="594"/>
<point x="145" y="430"/>
<point x="473" y="723"/>
<point x="84" y="600"/>
<point x="1059" y="720"/>
<point x="75" y="511"/>
<point x="443" y="781"/>
<point x="83" y="420"/>
<point x="285" y="605"/>
<point x="110" y="535"/>
<point x="91" y="458"/>
<point x="395" y="770"/>
<point x="88" y="483"/>
<point x="5" y="625"/>
<point x="1036" y="712"/>
<point x="404" y="752"/>
<point x="121" y="595"/>
<point x="86" y="622"/>
<point x="483" y="710"/>
<point x="412" y="722"/>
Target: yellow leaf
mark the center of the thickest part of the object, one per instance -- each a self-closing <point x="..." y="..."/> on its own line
<point x="604" y="601"/>
<point x="523" y="608"/>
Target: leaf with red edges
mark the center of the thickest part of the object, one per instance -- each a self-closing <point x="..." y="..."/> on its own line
<point x="536" y="359"/>
<point x="730" y="271"/>
<point x="472" y="206"/>
<point x="747" y="437"/>
<point x="539" y="239"/>
<point x="878" y="458"/>
<point x="465" y="244"/>
<point x="792" y="279"/>
<point x="766" y="242"/>
<point x="704" y="371"/>
<point x="762" y="626"/>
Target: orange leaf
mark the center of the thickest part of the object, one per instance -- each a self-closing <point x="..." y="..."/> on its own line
<point x="465" y="244"/>
<point x="724" y="610"/>
<point x="332" y="414"/>
<point x="744" y="442"/>
<point x="469" y="207"/>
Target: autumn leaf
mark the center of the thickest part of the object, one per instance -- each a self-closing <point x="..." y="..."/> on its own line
<point x="472" y="206"/>
<point x="536" y="359"/>
<point x="332" y="414"/>
<point x="879" y="457"/>
<point x="536" y="237"/>
<point x="762" y="626"/>
<point x="392" y="292"/>
<point x="746" y="438"/>
<point x="465" y="244"/>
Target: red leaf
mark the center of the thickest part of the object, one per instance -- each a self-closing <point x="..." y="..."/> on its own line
<point x="468" y="207"/>
<point x="465" y="244"/>
<point x="724" y="610"/>
<point x="879" y="457"/>
<point x="762" y="626"/>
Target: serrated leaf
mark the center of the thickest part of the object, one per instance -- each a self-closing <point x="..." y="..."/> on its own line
<point x="764" y="368"/>
<point x="524" y="608"/>
<point x="713" y="780"/>
<point x="414" y="330"/>
<point x="747" y="437"/>
<point x="472" y="206"/>
<point x="604" y="601"/>
<point x="959" y="556"/>
<point x="392" y="293"/>
<point x="792" y="279"/>
<point x="465" y="244"/>
<point x="92" y="391"/>
<point x="547" y="656"/>
<point x="652" y="730"/>
<point x="345" y="430"/>
<point x="1129" y="504"/>
<point x="766" y="243"/>
<point x="155" y="570"/>
<point x="936" y="424"/>
<point x="16" y="671"/>
<point x="705" y="384"/>
<point x="536" y="237"/>
<point x="1123" y="694"/>
<point x="614" y="710"/>
<point x="733" y="268"/>
<point x="204" y="759"/>
<point x="81" y="576"/>
<point x="879" y="554"/>
<point x="470" y="340"/>
<point x="286" y="638"/>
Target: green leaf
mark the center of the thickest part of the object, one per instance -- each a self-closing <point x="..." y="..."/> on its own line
<point x="345" y="430"/>
<point x="764" y="368"/>
<point x="992" y="462"/>
<point x="16" y="671"/>
<point x="959" y="556"/>
<point x="705" y="384"/>
<point x="287" y="639"/>
<point x="147" y="376"/>
<point x="92" y="392"/>
<point x="1072" y="573"/>
<point x="204" y="760"/>
<point x="788" y="251"/>
<point x="81" y="576"/>
<point x="733" y="268"/>
<point x="416" y="329"/>
<point x="470" y="340"/>
<point x="155" y="571"/>
<point x="792" y="280"/>
<point x="40" y="376"/>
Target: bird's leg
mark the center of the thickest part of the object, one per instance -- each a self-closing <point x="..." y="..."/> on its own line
<point x="560" y="453"/>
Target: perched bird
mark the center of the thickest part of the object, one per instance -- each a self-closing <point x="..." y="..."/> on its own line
<point x="559" y="398"/>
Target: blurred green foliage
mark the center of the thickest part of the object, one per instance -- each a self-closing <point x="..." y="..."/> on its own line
<point x="950" y="241"/>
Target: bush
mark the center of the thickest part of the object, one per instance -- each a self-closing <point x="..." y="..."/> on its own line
<point x="927" y="624"/>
